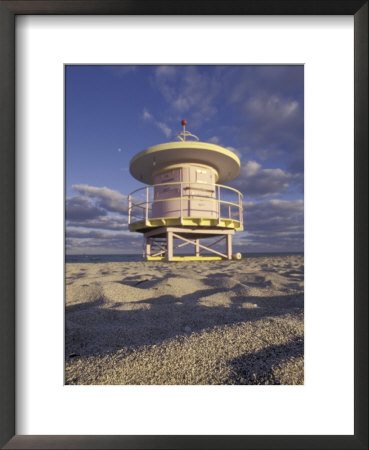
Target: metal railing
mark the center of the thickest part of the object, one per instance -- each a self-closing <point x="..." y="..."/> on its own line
<point x="228" y="201"/>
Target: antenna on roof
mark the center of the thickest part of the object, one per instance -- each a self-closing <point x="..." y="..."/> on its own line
<point x="183" y="134"/>
<point x="184" y="123"/>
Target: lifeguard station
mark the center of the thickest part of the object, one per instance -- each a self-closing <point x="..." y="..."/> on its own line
<point x="183" y="202"/>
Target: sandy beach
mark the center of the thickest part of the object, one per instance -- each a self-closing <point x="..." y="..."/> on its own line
<point x="185" y="323"/>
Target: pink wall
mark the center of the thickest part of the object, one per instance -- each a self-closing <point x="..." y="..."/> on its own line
<point x="198" y="204"/>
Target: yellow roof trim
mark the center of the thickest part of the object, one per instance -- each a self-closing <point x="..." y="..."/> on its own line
<point x="224" y="161"/>
<point x="186" y="144"/>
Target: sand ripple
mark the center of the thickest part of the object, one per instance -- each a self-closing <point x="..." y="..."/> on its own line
<point x="215" y="322"/>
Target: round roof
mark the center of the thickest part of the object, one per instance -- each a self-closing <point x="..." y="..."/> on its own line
<point x="224" y="161"/>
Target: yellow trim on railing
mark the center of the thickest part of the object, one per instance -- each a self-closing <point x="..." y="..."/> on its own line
<point x="192" y="198"/>
<point x="187" y="183"/>
<point x="141" y="225"/>
<point x="222" y="222"/>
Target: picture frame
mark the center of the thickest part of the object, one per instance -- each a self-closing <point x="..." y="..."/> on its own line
<point x="8" y="12"/>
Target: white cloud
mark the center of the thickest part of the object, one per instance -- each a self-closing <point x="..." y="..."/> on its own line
<point x="215" y="140"/>
<point x="82" y="208"/>
<point x="165" y="71"/>
<point x="102" y="223"/>
<point x="93" y="242"/>
<point x="273" y="225"/>
<point x="271" y="108"/>
<point x="190" y="92"/>
<point x="146" y="115"/>
<point x="164" y="128"/>
<point x="88" y="234"/>
<point x="235" y="151"/>
<point x="105" y="198"/>
<point x="91" y="226"/>
<point x="181" y="104"/>
<point x="257" y="182"/>
<point x="251" y="168"/>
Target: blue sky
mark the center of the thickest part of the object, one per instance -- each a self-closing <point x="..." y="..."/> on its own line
<point x="113" y="112"/>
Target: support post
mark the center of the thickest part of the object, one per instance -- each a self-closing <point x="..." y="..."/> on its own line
<point x="147" y="206"/>
<point x="148" y="247"/>
<point x="240" y="209"/>
<point x="219" y="208"/>
<point x="229" y="246"/>
<point x="170" y="245"/>
<point x="180" y="202"/>
<point x="197" y="247"/>
<point x="129" y="209"/>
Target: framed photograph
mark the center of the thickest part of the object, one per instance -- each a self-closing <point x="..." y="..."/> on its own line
<point x="99" y="101"/>
<point x="162" y="276"/>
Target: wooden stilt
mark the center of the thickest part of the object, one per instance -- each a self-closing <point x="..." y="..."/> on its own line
<point x="197" y="247"/>
<point x="148" y="248"/>
<point x="170" y="245"/>
<point x="229" y="246"/>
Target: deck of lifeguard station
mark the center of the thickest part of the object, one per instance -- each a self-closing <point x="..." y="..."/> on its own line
<point x="197" y="208"/>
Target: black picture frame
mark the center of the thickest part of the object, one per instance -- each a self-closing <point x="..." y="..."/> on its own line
<point x="8" y="11"/>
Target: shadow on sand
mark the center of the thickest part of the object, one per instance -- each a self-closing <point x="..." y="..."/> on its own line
<point x="100" y="327"/>
<point x="257" y="368"/>
<point x="103" y="326"/>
